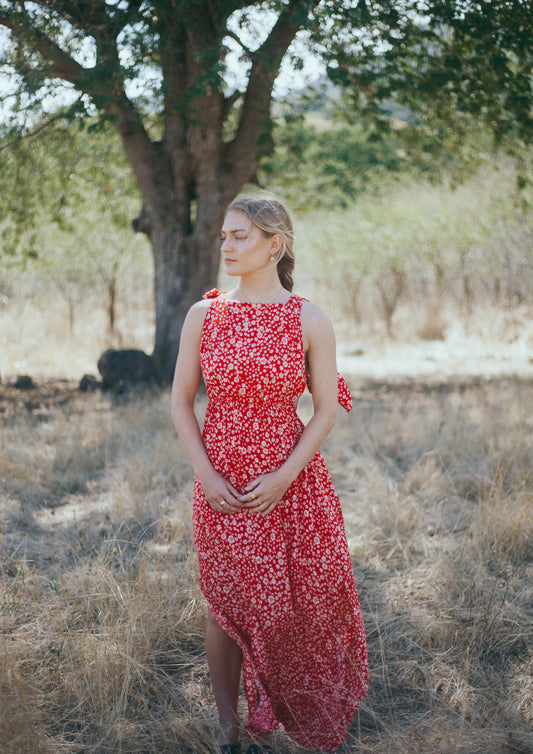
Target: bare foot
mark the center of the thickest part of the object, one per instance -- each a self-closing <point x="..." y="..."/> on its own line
<point x="229" y="734"/>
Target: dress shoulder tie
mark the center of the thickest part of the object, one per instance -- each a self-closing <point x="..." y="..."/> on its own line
<point x="213" y="293"/>
<point x="344" y="397"/>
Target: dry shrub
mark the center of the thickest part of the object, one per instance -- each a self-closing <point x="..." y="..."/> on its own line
<point x="520" y="700"/>
<point x="434" y="325"/>
<point x="426" y="478"/>
<point x="377" y="263"/>
<point x="503" y="526"/>
<point x="20" y="729"/>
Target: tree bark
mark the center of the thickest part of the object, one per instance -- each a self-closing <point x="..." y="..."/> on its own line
<point x="185" y="266"/>
<point x="186" y="186"/>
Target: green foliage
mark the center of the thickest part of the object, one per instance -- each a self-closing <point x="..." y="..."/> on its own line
<point x="328" y="166"/>
<point x="319" y="162"/>
<point x="457" y="66"/>
<point x="443" y="60"/>
<point x="59" y="178"/>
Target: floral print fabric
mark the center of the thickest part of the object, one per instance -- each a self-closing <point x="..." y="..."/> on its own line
<point x="282" y="586"/>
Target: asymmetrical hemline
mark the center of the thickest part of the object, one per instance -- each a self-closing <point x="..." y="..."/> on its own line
<point x="281" y="586"/>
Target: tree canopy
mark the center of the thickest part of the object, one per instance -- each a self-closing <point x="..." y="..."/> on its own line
<point x="456" y="65"/>
<point x="188" y="84"/>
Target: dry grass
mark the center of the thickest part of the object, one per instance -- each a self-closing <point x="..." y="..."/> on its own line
<point x="102" y="619"/>
<point x="36" y="338"/>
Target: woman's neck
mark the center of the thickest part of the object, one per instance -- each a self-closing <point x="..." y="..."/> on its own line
<point x="260" y="291"/>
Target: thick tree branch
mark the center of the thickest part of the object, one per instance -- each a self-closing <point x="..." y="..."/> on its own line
<point x="241" y="153"/>
<point x="104" y="84"/>
<point x="241" y="44"/>
<point x="62" y="65"/>
<point x="230" y="101"/>
<point x="93" y="16"/>
<point x="84" y="15"/>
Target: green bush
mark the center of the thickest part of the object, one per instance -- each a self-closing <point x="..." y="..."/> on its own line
<point x="326" y="166"/>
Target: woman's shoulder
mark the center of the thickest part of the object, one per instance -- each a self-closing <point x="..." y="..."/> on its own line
<point x="316" y="325"/>
<point x="199" y="309"/>
<point x="194" y="321"/>
<point x="313" y="314"/>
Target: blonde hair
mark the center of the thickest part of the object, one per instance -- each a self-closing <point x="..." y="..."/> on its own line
<point x="271" y="217"/>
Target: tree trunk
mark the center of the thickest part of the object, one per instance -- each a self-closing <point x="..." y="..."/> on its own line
<point x="185" y="266"/>
<point x="184" y="200"/>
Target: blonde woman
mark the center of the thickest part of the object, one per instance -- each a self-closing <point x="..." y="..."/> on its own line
<point x="269" y="533"/>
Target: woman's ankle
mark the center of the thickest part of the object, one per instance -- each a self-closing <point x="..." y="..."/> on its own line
<point x="229" y="734"/>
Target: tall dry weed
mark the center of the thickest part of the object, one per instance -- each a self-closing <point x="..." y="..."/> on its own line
<point x="20" y="724"/>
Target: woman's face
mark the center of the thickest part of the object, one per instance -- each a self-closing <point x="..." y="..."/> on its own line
<point x="244" y="247"/>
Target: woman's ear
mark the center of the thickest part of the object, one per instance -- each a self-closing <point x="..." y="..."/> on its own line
<point x="276" y="243"/>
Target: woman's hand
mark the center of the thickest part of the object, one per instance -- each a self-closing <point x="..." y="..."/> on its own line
<point x="264" y="493"/>
<point x="221" y="494"/>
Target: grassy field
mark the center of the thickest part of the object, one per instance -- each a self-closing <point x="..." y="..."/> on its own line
<point x="101" y="643"/>
<point x="102" y="619"/>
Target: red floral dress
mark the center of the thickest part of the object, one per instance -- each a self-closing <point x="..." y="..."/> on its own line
<point x="281" y="586"/>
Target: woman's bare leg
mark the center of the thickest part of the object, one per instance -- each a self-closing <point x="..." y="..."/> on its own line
<point x="224" y="658"/>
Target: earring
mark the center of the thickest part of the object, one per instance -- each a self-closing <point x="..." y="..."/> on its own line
<point x="272" y="258"/>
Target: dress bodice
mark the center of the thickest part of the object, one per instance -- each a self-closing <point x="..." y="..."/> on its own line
<point x="267" y="363"/>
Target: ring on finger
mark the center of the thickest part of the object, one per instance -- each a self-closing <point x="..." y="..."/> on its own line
<point x="222" y="502"/>
<point x="252" y="495"/>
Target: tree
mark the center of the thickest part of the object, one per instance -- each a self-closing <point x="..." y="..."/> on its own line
<point x="327" y="167"/>
<point x="157" y="70"/>
<point x="188" y="172"/>
<point x="457" y="66"/>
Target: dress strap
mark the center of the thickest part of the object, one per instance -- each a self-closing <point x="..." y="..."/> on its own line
<point x="215" y="313"/>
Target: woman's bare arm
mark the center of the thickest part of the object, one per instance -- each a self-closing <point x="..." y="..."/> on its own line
<point x="187" y="377"/>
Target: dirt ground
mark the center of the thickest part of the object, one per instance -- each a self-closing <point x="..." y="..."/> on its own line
<point x="48" y="395"/>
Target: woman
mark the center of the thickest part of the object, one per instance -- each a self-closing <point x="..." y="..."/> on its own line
<point x="272" y="551"/>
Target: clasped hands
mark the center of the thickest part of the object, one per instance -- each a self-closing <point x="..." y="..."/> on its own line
<point x="261" y="495"/>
